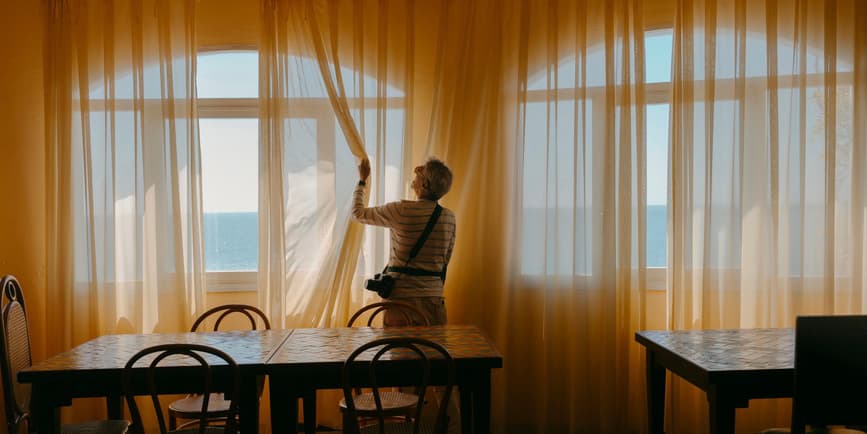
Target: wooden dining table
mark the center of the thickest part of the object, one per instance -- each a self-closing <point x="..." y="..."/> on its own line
<point x="730" y="366"/>
<point x="297" y="361"/>
<point x="312" y="359"/>
<point x="94" y="369"/>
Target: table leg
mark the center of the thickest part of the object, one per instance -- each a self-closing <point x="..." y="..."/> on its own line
<point x="45" y="415"/>
<point x="284" y="405"/>
<point x="465" y="391"/>
<point x="482" y="404"/>
<point x="309" y="404"/>
<point x="655" y="394"/>
<point x="722" y="413"/>
<point x="248" y="408"/>
<point x="114" y="406"/>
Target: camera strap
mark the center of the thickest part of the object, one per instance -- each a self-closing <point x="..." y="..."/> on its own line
<point x="418" y="245"/>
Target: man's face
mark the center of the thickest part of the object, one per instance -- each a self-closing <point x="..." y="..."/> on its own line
<point x="418" y="182"/>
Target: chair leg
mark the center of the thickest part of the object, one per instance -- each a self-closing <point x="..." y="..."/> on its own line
<point x="350" y="426"/>
<point x="346" y="421"/>
<point x="309" y="405"/>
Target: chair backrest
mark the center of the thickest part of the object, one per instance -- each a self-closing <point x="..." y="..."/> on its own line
<point x="830" y="371"/>
<point x="15" y="349"/>
<point x="408" y="355"/>
<point x="194" y="359"/>
<point x="256" y="317"/>
<point x="408" y="312"/>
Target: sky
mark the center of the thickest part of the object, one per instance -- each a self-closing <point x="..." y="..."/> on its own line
<point x="230" y="160"/>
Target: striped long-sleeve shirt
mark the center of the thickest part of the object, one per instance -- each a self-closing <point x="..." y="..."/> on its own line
<point x="406" y="220"/>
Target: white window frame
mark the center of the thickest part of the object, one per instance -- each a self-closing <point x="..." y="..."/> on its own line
<point x="229" y="108"/>
<point x="318" y="109"/>
<point x="655" y="93"/>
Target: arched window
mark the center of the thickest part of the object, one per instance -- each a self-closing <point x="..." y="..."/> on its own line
<point x="228" y="91"/>
<point x="576" y="220"/>
<point x="543" y="173"/>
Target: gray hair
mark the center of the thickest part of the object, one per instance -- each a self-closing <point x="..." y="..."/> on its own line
<point x="439" y="178"/>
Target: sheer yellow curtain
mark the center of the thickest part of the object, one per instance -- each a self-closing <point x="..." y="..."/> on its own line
<point x="328" y="100"/>
<point x="767" y="187"/>
<point x="124" y="224"/>
<point x="575" y="291"/>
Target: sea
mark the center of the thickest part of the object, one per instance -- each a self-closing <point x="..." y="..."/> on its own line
<point x="231" y="240"/>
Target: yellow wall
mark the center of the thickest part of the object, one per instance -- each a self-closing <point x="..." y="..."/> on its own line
<point x="227" y="23"/>
<point x="22" y="155"/>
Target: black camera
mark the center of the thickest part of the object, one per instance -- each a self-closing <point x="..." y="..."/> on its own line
<point x="381" y="283"/>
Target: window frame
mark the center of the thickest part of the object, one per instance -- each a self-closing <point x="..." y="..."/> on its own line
<point x="318" y="109"/>
<point x="655" y="93"/>
<point x="228" y="108"/>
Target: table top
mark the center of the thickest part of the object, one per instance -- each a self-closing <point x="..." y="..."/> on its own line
<point x="111" y="352"/>
<point x="732" y="350"/>
<point x="262" y="348"/>
<point x="334" y="345"/>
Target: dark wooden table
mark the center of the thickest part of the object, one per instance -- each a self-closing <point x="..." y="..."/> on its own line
<point x="731" y="366"/>
<point x="94" y="369"/>
<point x="313" y="358"/>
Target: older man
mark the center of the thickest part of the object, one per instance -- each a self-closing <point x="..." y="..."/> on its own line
<point x="406" y="220"/>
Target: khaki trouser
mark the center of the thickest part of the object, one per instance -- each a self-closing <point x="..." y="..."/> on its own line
<point x="433" y="308"/>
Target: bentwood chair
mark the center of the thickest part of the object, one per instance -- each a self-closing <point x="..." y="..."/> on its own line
<point x="217" y="409"/>
<point x="830" y="375"/>
<point x="198" y="363"/>
<point x="406" y="311"/>
<point x="418" y="355"/>
<point x="16" y="355"/>
<point x="394" y="402"/>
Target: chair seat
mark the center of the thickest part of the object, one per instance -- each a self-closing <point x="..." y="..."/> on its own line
<point x="397" y="428"/>
<point x="814" y="431"/>
<point x="391" y="401"/>
<point x="96" y="427"/>
<point x="208" y="430"/>
<point x="192" y="405"/>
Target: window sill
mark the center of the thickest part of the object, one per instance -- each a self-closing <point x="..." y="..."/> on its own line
<point x="655" y="279"/>
<point x="231" y="281"/>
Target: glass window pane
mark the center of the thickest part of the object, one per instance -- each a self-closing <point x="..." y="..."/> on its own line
<point x="557" y="182"/>
<point x="228" y="74"/>
<point x="657" y="56"/>
<point x="657" y="183"/>
<point x="230" y="170"/>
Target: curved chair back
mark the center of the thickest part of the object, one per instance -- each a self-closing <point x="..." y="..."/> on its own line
<point x="15" y="347"/>
<point x="830" y="371"/>
<point x="219" y="313"/>
<point x="415" y="355"/>
<point x="196" y="359"/>
<point x="408" y="312"/>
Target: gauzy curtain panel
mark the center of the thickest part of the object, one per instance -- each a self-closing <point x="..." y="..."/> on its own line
<point x="767" y="176"/>
<point x="398" y="82"/>
<point x="575" y="292"/>
<point x="318" y="112"/>
<point x="342" y="80"/>
<point x="124" y="224"/>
